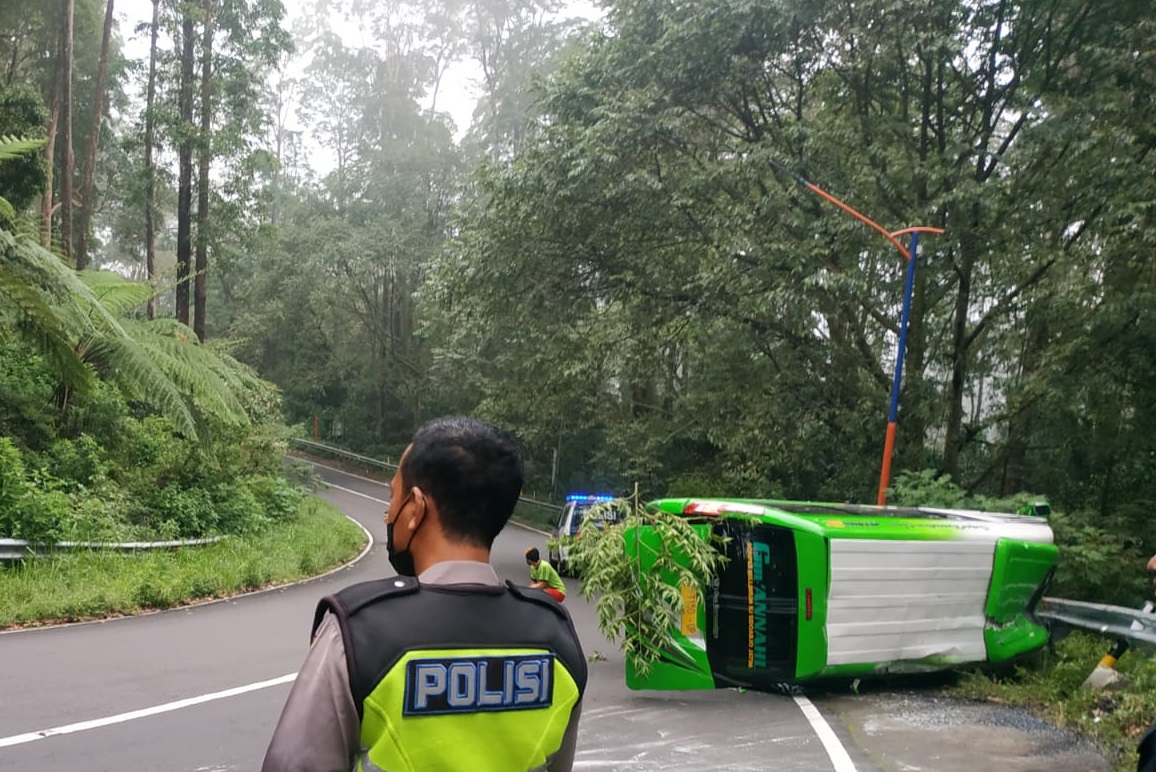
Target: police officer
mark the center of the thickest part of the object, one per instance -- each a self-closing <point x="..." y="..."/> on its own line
<point x="451" y="670"/>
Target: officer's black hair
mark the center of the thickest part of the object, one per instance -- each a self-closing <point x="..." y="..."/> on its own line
<point x="472" y="470"/>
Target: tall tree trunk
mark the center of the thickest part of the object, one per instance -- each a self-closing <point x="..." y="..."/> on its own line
<point x="1023" y="413"/>
<point x="203" y="173"/>
<point x="185" y="174"/>
<point x="69" y="7"/>
<point x="46" y="200"/>
<point x="150" y="171"/>
<point x="88" y="177"/>
<point x="960" y="355"/>
<point x="10" y="76"/>
<point x="46" y="207"/>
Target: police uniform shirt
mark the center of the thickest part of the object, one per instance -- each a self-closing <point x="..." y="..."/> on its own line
<point x="319" y="729"/>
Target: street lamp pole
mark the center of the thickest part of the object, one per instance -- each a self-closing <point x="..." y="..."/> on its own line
<point x="911" y="256"/>
<point x="901" y="349"/>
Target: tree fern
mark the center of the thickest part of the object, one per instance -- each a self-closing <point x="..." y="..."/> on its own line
<point x="82" y="322"/>
<point x="195" y="369"/>
<point x="14" y="147"/>
<point x="118" y="295"/>
<point x="40" y="289"/>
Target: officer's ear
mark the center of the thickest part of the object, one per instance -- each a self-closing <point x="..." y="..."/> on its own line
<point x="419" y="511"/>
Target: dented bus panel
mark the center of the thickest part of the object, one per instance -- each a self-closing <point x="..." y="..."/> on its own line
<point x="812" y="590"/>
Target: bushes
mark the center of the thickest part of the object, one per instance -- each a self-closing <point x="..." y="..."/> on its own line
<point x="25" y="512"/>
<point x="279" y="499"/>
<point x="76" y="463"/>
<point x="174" y="511"/>
<point x="1095" y="564"/>
<point x="237" y="508"/>
<point x="142" y="483"/>
<point x="141" y="434"/>
<point x="26" y="391"/>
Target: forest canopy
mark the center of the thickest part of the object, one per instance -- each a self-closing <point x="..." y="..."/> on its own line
<point x="615" y="257"/>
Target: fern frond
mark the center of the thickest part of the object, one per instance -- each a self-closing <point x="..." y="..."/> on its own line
<point x="77" y="319"/>
<point x="116" y="293"/>
<point x="197" y="370"/>
<point x="55" y="322"/>
<point x="135" y="370"/>
<point x="14" y="147"/>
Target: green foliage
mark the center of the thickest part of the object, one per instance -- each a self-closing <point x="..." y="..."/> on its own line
<point x="1096" y="563"/>
<point x="23" y="120"/>
<point x="94" y="462"/>
<point x="925" y="488"/>
<point x="78" y="463"/>
<point x="30" y="508"/>
<point x="13" y="486"/>
<point x="176" y="511"/>
<point x="637" y="582"/>
<point x="278" y="498"/>
<point x="56" y="309"/>
<point x="27" y="409"/>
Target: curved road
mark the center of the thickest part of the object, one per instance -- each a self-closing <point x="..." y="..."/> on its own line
<point x="248" y="648"/>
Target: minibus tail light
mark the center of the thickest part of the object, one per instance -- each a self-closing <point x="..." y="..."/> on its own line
<point x="809" y="607"/>
<point x="716" y="508"/>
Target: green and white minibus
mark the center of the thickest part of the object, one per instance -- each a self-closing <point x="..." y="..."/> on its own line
<point x="813" y="591"/>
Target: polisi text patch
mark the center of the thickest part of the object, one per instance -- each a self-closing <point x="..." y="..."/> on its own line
<point x="478" y="684"/>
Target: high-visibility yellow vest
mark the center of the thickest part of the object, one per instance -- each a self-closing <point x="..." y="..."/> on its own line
<point x="457" y="677"/>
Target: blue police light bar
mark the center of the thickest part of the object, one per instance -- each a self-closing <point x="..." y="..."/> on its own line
<point x="588" y="497"/>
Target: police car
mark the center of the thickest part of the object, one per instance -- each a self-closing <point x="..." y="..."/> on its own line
<point x="569" y="525"/>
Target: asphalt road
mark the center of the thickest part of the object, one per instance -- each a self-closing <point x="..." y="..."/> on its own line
<point x="93" y="674"/>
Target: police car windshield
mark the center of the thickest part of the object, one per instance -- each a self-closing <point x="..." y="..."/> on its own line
<point x="582" y="507"/>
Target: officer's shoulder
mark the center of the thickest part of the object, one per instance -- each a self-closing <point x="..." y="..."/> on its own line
<point x="357" y="596"/>
<point x="538" y="598"/>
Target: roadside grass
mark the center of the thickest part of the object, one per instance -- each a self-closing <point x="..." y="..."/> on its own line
<point x="98" y="584"/>
<point x="1050" y="685"/>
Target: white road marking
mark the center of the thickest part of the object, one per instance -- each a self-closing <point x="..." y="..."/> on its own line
<point x="357" y="493"/>
<point x="835" y="750"/>
<point x="347" y="474"/>
<point x="96" y="723"/>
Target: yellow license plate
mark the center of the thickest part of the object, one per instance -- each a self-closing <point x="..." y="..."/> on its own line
<point x="689" y="621"/>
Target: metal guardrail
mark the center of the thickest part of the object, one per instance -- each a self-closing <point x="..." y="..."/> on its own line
<point x="1136" y="625"/>
<point x="318" y="447"/>
<point x="18" y="549"/>
<point x="541" y="514"/>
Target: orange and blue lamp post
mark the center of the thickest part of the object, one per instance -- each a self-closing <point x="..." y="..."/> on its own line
<point x="911" y="255"/>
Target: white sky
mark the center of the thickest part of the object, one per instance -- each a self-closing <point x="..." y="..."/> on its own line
<point x="457" y="96"/>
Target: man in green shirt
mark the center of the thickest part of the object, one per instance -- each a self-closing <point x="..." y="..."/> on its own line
<point x="543" y="576"/>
